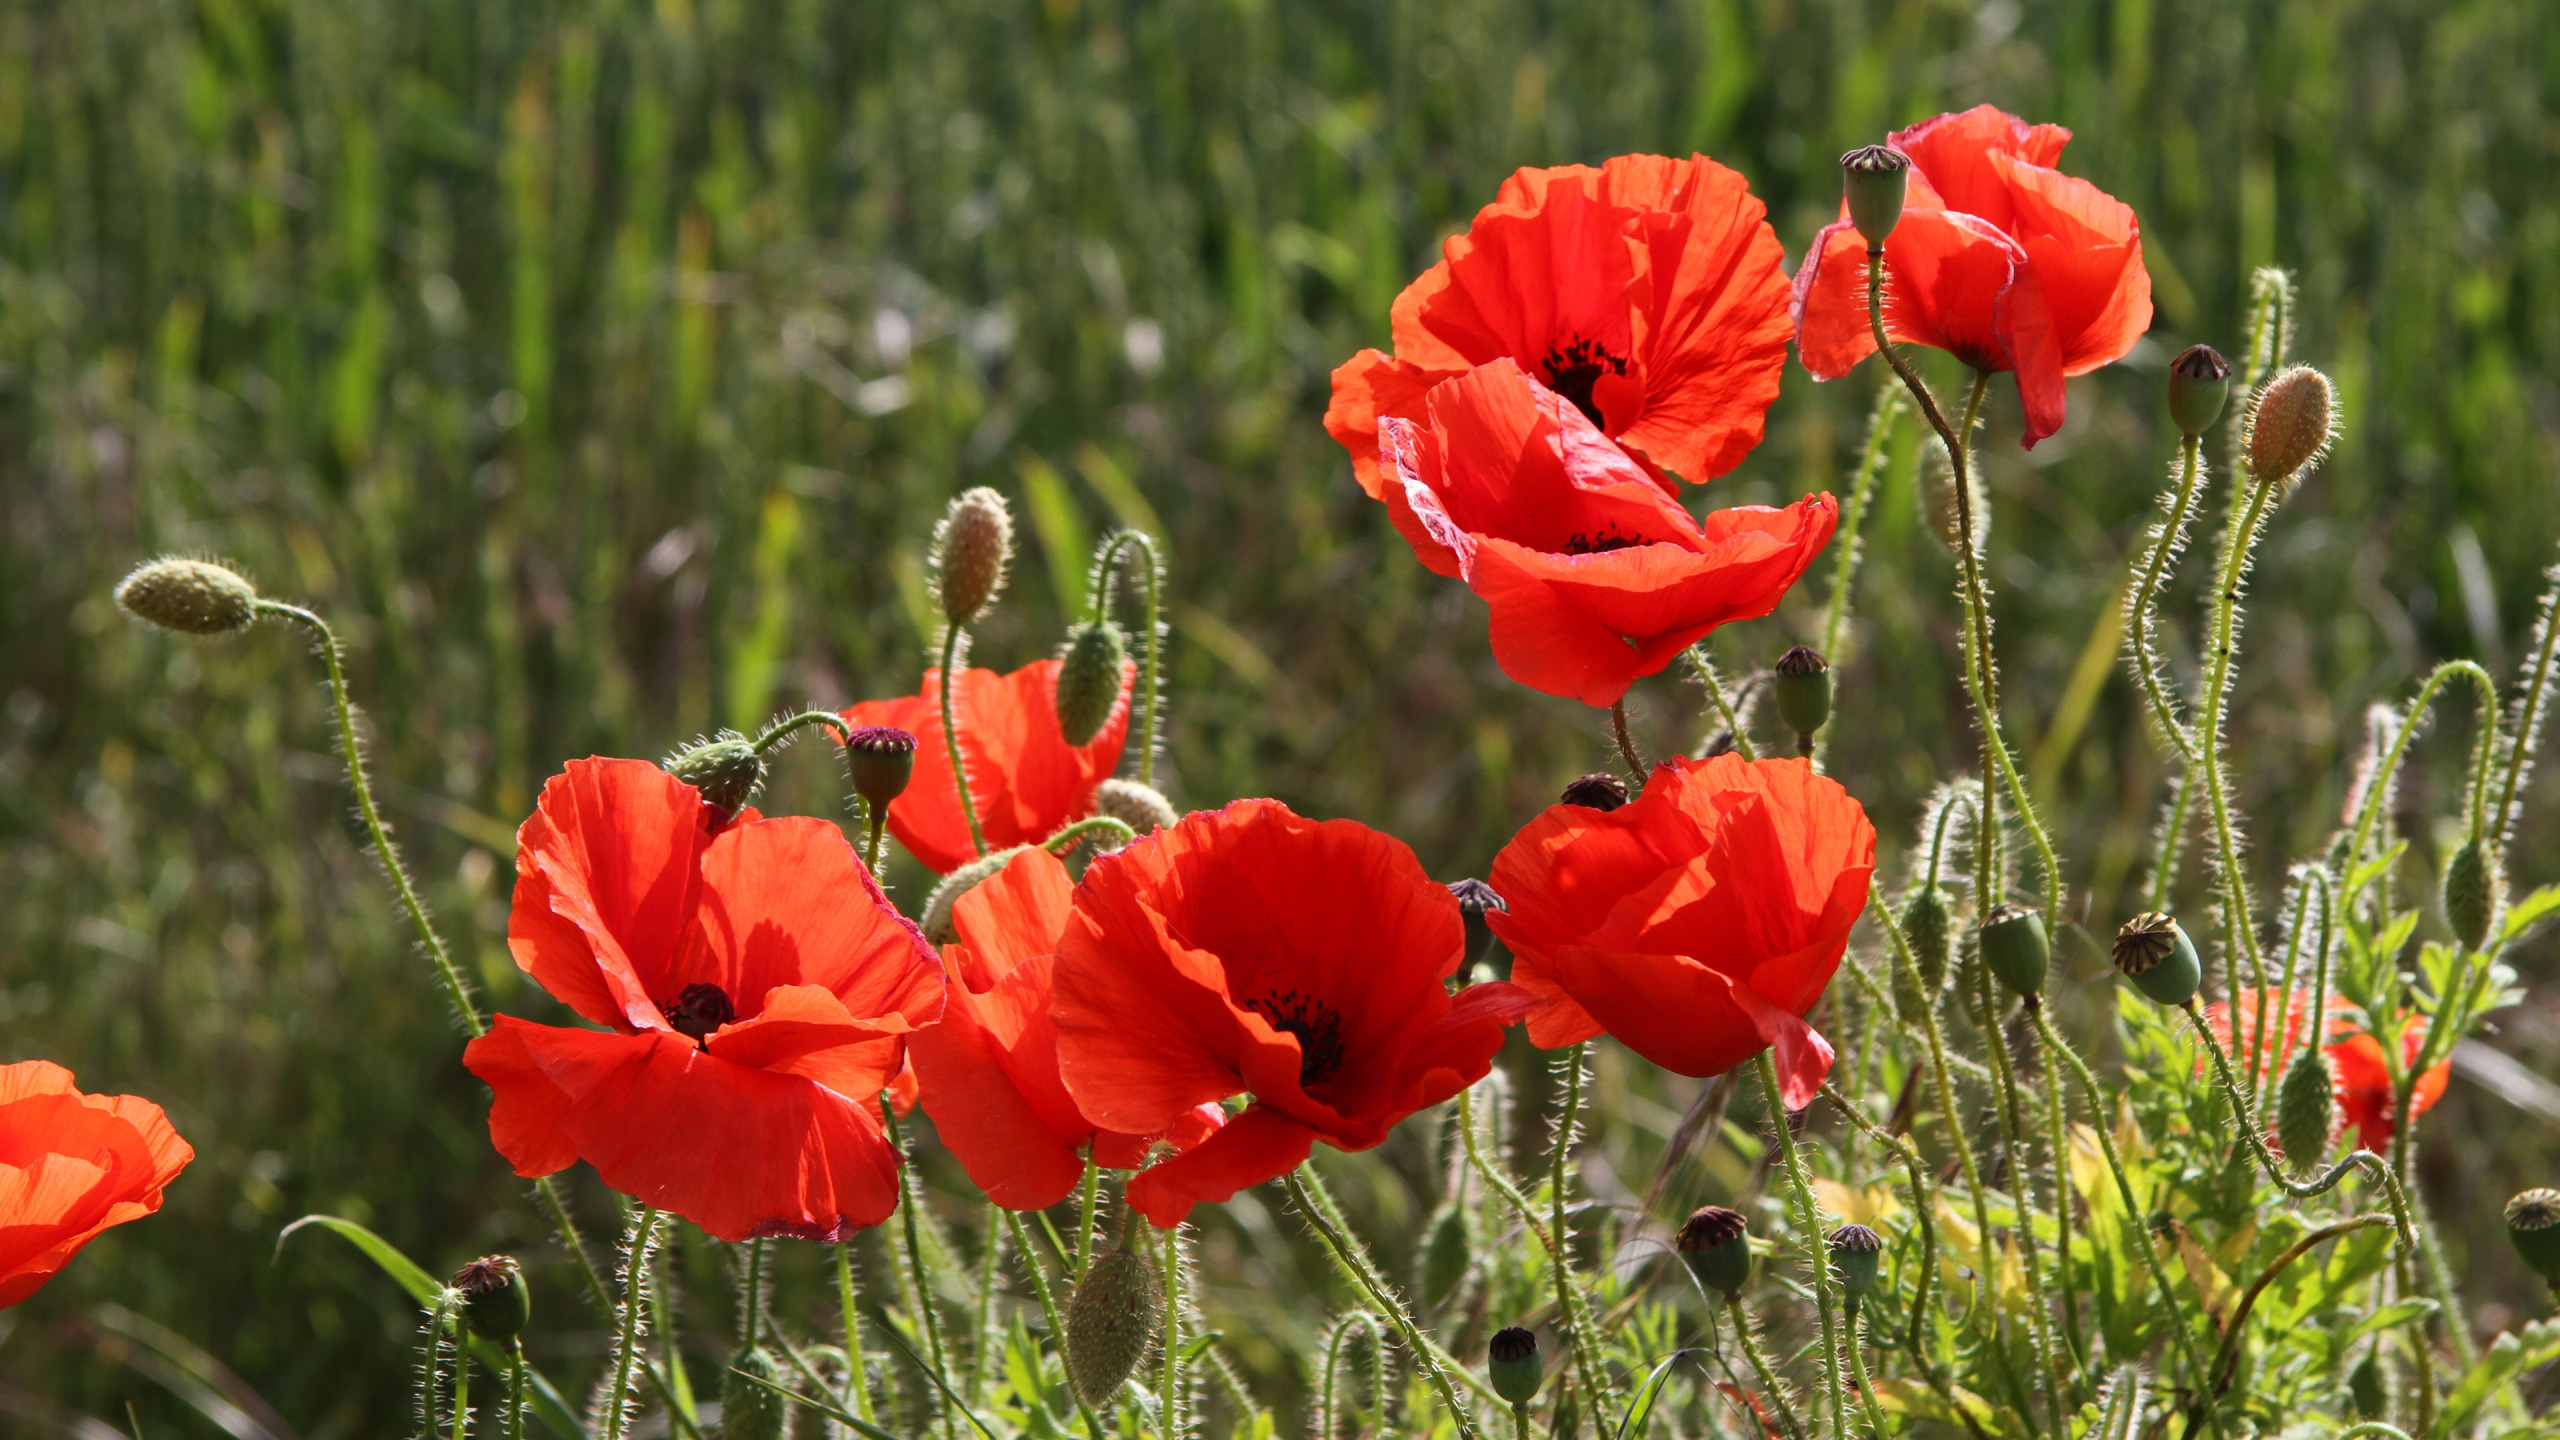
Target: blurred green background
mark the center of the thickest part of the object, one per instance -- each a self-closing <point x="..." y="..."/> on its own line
<point x="599" y="369"/>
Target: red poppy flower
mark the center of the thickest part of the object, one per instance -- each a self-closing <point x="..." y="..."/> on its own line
<point x="759" y="989"/>
<point x="989" y="1066"/>
<point x="1594" y="576"/>
<point x="1698" y="923"/>
<point x="2358" y="1076"/>
<point x="72" y="1165"/>
<point x="1648" y="292"/>
<point x="1024" y="777"/>
<point x="2000" y="259"/>
<point x="1250" y="951"/>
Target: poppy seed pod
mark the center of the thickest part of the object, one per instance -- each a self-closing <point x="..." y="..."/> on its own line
<point x="2473" y="887"/>
<point x="1511" y="1363"/>
<point x="192" y="597"/>
<point x="1089" y="667"/>
<point x="883" y="760"/>
<point x="971" y="547"/>
<point x="2306" y="1109"/>
<point x="2199" y="386"/>
<point x="1803" y="692"/>
<point x="1717" y="1244"/>
<point x="1856" y="1254"/>
<point x="749" y="1411"/>
<point x="1475" y="900"/>
<point x="1598" y="790"/>
<point x="1111" y="1320"/>
<point x="2153" y="951"/>
<point x="726" y="768"/>
<point x="1875" y="178"/>
<point x="2365" y="1389"/>
<point x="495" y="1300"/>
<point x="1142" y="808"/>
<point x="2291" y="425"/>
<point x="2533" y="1222"/>
<point x="2014" y="946"/>
<point x="936" y="920"/>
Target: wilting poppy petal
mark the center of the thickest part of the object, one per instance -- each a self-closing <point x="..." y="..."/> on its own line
<point x="72" y="1165"/>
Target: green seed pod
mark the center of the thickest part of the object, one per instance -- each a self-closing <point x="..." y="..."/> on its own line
<point x="2473" y="887"/>
<point x="2199" y="386"/>
<point x="1111" y="1320"/>
<point x="192" y="597"/>
<point x="1511" y="1363"/>
<point x="1856" y="1254"/>
<point x="2014" y="946"/>
<point x="1802" y="689"/>
<point x="1928" y="924"/>
<point x="882" y="759"/>
<point x="1876" y="180"/>
<point x="2306" y="1109"/>
<point x="726" y="768"/>
<point x="1717" y="1244"/>
<point x="496" y="1301"/>
<point x="971" y="547"/>
<point x="1598" y="790"/>
<point x="936" y="920"/>
<point x="1090" y="665"/>
<point x="2533" y="1222"/>
<point x="2364" y="1387"/>
<point x="1142" y="808"/>
<point x="1446" y="1255"/>
<point x="2153" y="951"/>
<point x="2290" y="426"/>
<point x="749" y="1411"/>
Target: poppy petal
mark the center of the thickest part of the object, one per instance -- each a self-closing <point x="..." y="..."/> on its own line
<point x="1012" y="1149"/>
<point x="805" y="1030"/>
<point x="1803" y="1057"/>
<point x="1254" y="1147"/>
<point x="787" y="902"/>
<point x="606" y="873"/>
<point x="1369" y="389"/>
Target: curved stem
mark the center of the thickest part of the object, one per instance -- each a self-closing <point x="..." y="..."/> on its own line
<point x="2529" y="710"/>
<point x="1809" y="1226"/>
<point x="2229" y="1356"/>
<point x="927" y="1319"/>
<point x="1702" y="663"/>
<point x="1049" y="1311"/>
<point x="1769" y="1382"/>
<point x="951" y="735"/>
<point x="1626" y="742"/>
<point x="1302" y="1186"/>
<point x="2365" y="1160"/>
<point x="1577" y="1323"/>
<point x="2389" y="767"/>
<point x="2143" y="616"/>
<point x="1155" y="634"/>
<point x="1067" y="836"/>
<point x="784" y="728"/>
<point x="2240" y="940"/>
<point x="1923" y="1202"/>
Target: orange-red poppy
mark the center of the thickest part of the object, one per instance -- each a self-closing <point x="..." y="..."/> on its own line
<point x="2358" y="1076"/>
<point x="759" y="989"/>
<point x="1251" y="951"/>
<point x="1024" y="778"/>
<point x="1648" y="292"/>
<point x="989" y="1066"/>
<point x="72" y="1165"/>
<point x="2001" y="260"/>
<point x="1594" y="576"/>
<point x="1698" y="923"/>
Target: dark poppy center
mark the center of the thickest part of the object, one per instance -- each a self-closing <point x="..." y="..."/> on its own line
<point x="1317" y="1025"/>
<point x="1583" y="542"/>
<point x="1573" y="368"/>
<point x="701" y="1009"/>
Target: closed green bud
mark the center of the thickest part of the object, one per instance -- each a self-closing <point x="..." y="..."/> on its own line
<point x="1142" y="808"/>
<point x="726" y="768"/>
<point x="749" y="1411"/>
<point x="971" y="547"/>
<point x="1476" y="900"/>
<point x="2014" y="946"/>
<point x="2364" y="1388"/>
<point x="192" y="597"/>
<point x="1802" y="688"/>
<point x="1090" y="665"/>
<point x="2199" y="386"/>
<point x="2533" y="1222"/>
<point x="2306" y="1109"/>
<point x="496" y="1302"/>
<point x="1716" y="1243"/>
<point x="1446" y="1254"/>
<point x="1111" y="1320"/>
<point x="2153" y="951"/>
<point x="882" y="759"/>
<point x="2473" y="886"/>
<point x="936" y="920"/>
<point x="1512" y="1365"/>
<point x="1857" y="1253"/>
<point x="1928" y="925"/>
<point x="2291" y="425"/>
<point x="1876" y="179"/>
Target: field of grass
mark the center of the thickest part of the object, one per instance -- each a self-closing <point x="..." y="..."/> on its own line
<point x="599" y="368"/>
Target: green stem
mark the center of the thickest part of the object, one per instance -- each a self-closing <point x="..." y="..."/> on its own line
<point x="2240" y="941"/>
<point x="755" y="1287"/>
<point x="515" y="1390"/>
<point x="783" y="729"/>
<point x="626" y="1341"/>
<point x="2059" y="1140"/>
<point x="1705" y="665"/>
<point x="1091" y="1205"/>
<point x="2379" y="784"/>
<point x="1304" y="1187"/>
<point x="2165" y="873"/>
<point x="1169" y="1389"/>
<point x="985" y="1354"/>
<point x="2364" y="1160"/>
<point x="951" y="734"/>
<point x="1858" y="1369"/>
<point x="1153" y="739"/>
<point x="1626" y="742"/>
<point x="2146" y="598"/>
<point x="1862" y="484"/>
<point x="1583" y="1360"/>
<point x="854" y="1359"/>
<point x="874" y="844"/>
<point x="1573" y="1060"/>
<point x="1944" y="1080"/>
<point x="2013" y="1135"/>
<point x="1067" y="836"/>
<point x="2228" y="1358"/>
<point x="461" y="1376"/>
<point x="927" y="1318"/>
<point x="1809" y="1228"/>
<point x="1049" y="1311"/>
<point x="2529" y="710"/>
<point x="1923" y="1202"/>
<point x="1769" y="1383"/>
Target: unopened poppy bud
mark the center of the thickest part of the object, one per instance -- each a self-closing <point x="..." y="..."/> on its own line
<point x="2290" y="426"/>
<point x="2364" y="1388"/>
<point x="1856" y="1254"/>
<point x="882" y="759"/>
<point x="1089" y="669"/>
<point x="2014" y="946"/>
<point x="2306" y="1109"/>
<point x="1446" y="1254"/>
<point x="1716" y="1243"/>
<point x="2199" y="386"/>
<point x="2153" y="951"/>
<point x="936" y="920"/>
<point x="726" y="768"/>
<point x="2533" y="1222"/>
<point x="496" y="1303"/>
<point x="1511" y="1363"/>
<point x="1928" y="927"/>
<point x="1876" y="177"/>
<point x="192" y="597"/>
<point x="749" y="1411"/>
<point x="1598" y="790"/>
<point x="2473" y="887"/>
<point x="971" y="547"/>
<point x="1803" y="692"/>
<point x="1111" y="1319"/>
<point x="1142" y="808"/>
<point x="1476" y="899"/>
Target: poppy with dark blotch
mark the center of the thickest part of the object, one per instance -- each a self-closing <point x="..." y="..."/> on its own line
<point x="2357" y="1074"/>
<point x="1250" y="951"/>
<point x="1647" y="292"/>
<point x="72" y="1165"/>
<point x="989" y="1066"/>
<point x="758" y="990"/>
<point x="1024" y="778"/>
<point x="1593" y="575"/>
<point x="2001" y="260"/>
<point x="1698" y="923"/>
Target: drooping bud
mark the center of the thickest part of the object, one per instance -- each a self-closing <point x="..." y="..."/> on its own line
<point x="192" y="597"/>
<point x="2364" y="1388"/>
<point x="2199" y="386"/>
<point x="2306" y="1109"/>
<point x="882" y="759"/>
<point x="1111" y="1320"/>
<point x="2473" y="886"/>
<point x="1142" y="808"/>
<point x="2013" y="944"/>
<point x="749" y="1411"/>
<point x="936" y="920"/>
<point x="1446" y="1254"/>
<point x="1928" y="926"/>
<point x="1598" y="790"/>
<point x="1856" y="1254"/>
<point x="2153" y="951"/>
<point x="726" y="768"/>
<point x="1716" y="1243"/>
<point x="2533" y="1222"/>
<point x="1803" y="692"/>
<point x="1089" y="670"/>
<point x="971" y="547"/>
<point x="2291" y="425"/>
<point x="1876" y="179"/>
<point x="496" y="1302"/>
<point x="1512" y="1365"/>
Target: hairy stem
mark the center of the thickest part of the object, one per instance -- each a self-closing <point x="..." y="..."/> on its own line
<point x="1705" y="665"/>
<point x="626" y="1340"/>
<point x="1626" y="742"/>
<point x="1154" y="679"/>
<point x="1577" y="1321"/>
<point x="859" y="1381"/>
<point x="1304" y="1188"/>
<point x="2144" y="615"/>
<point x="951" y="636"/>
<point x="1049" y="1312"/>
<point x="927" y="1318"/>
<point x="1808" y="1216"/>
<point x="1769" y="1382"/>
<point x="790" y="725"/>
<point x="2240" y="940"/>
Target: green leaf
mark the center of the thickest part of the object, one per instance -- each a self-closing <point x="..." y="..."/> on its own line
<point x="2522" y="915"/>
<point x="2397" y="1313"/>
<point x="1641" y="1407"/>
<point x="2510" y="1355"/>
<point x="855" y="1423"/>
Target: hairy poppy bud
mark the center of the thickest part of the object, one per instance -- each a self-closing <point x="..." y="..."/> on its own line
<point x="749" y="1411"/>
<point x="192" y="597"/>
<point x="2199" y="386"/>
<point x="2364" y="1388"/>
<point x="1142" y="808"/>
<point x="2014" y="946"/>
<point x="1856" y="1254"/>
<point x="2533" y="1222"/>
<point x="2306" y="1109"/>
<point x="2153" y="951"/>
<point x="1475" y="899"/>
<point x="1089" y="667"/>
<point x="883" y="760"/>
<point x="496" y="1302"/>
<point x="1928" y="926"/>
<point x="1598" y="790"/>
<point x="1111" y="1319"/>
<point x="1803" y="692"/>
<point x="726" y="768"/>
<point x="1446" y="1254"/>
<point x="971" y="547"/>
<point x="1511" y="1363"/>
<point x="2472" y="889"/>
<point x="1717" y="1244"/>
<point x="1876" y="179"/>
<point x="936" y="920"/>
<point x="2290" y="426"/>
